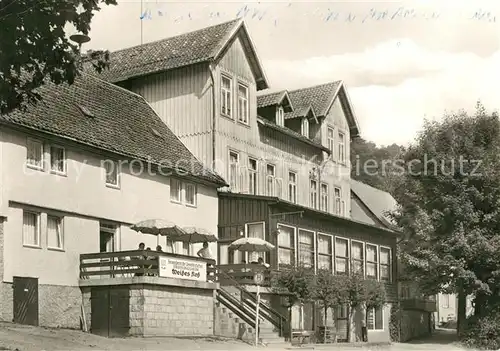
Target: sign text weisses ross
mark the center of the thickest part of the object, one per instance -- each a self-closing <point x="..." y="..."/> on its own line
<point x="183" y="268"/>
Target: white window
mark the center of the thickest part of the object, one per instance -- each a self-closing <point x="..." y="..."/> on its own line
<point x="371" y="261"/>
<point x="175" y="190"/>
<point x="234" y="160"/>
<point x="313" y="193"/>
<point x="170" y="246"/>
<point x="183" y="248"/>
<point x="446" y="301"/>
<point x="191" y="194"/>
<point x="331" y="141"/>
<point x="57" y="159"/>
<point x="324" y="197"/>
<point x="325" y="252"/>
<point x="341" y="147"/>
<point x="286" y="245"/>
<point x="55" y="236"/>
<point x="252" y="176"/>
<point x="292" y="187"/>
<point x="304" y="130"/>
<point x="280" y="116"/>
<point x="255" y="230"/>
<point x="306" y="248"/>
<point x="112" y="173"/>
<point x="357" y="257"/>
<point x="243" y="110"/>
<point x="31" y="229"/>
<point x="385" y="264"/>
<point x="341" y="256"/>
<point x="375" y="319"/>
<point x="270" y="180"/>
<point x="226" y="102"/>
<point x="34" y="156"/>
<point x="338" y="201"/>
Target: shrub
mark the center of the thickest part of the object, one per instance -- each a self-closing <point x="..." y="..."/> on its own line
<point x="394" y="327"/>
<point x="483" y="332"/>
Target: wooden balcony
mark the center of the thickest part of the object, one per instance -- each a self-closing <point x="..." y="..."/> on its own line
<point x="419" y="304"/>
<point x="242" y="274"/>
<point x="146" y="263"/>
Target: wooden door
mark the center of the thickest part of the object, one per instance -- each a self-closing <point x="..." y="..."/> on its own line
<point x="110" y="311"/>
<point x="25" y="300"/>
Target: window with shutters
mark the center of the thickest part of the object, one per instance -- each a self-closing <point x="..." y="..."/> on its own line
<point x="252" y="176"/>
<point x="226" y="101"/>
<point x="55" y="236"/>
<point x="325" y="252"/>
<point x="243" y="108"/>
<point x="292" y="187"/>
<point x="357" y="257"/>
<point x="234" y="160"/>
<point x="371" y="261"/>
<point x="31" y="229"/>
<point x="286" y="245"/>
<point x="324" y="197"/>
<point x="306" y="248"/>
<point x="341" y="256"/>
<point x="270" y="180"/>
<point x="385" y="264"/>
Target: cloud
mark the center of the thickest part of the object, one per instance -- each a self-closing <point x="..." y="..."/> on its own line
<point x="395" y="84"/>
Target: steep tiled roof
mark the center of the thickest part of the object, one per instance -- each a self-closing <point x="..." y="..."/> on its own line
<point x="104" y="116"/>
<point x="270" y="99"/>
<point x="174" y="52"/>
<point x="378" y="202"/>
<point x="319" y="96"/>
<point x="267" y="123"/>
<point x="300" y="111"/>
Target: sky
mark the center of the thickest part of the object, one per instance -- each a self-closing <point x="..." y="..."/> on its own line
<point x="401" y="61"/>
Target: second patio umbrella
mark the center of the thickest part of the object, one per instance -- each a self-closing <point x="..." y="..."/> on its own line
<point x="158" y="227"/>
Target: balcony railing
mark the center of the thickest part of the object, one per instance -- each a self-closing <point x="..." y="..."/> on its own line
<point x="419" y="304"/>
<point x="242" y="274"/>
<point x="145" y="263"/>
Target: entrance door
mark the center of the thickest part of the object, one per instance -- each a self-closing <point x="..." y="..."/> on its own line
<point x="110" y="311"/>
<point x="107" y="242"/>
<point x="25" y="300"/>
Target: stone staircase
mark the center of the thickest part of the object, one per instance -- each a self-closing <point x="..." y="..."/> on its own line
<point x="235" y="318"/>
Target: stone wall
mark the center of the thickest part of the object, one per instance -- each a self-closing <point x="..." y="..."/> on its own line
<point x="161" y="310"/>
<point x="414" y="324"/>
<point x="59" y="306"/>
<point x="6" y="298"/>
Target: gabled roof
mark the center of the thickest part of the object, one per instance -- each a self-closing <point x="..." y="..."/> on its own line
<point x="287" y="131"/>
<point x="277" y="98"/>
<point x="203" y="45"/>
<point x="378" y="202"/>
<point x="100" y="115"/>
<point x="321" y="98"/>
<point x="302" y="111"/>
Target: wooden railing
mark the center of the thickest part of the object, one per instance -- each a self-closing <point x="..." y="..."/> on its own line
<point x="242" y="274"/>
<point x="249" y="300"/>
<point x="132" y="263"/>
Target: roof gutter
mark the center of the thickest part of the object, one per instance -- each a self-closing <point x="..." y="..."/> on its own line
<point x="212" y="77"/>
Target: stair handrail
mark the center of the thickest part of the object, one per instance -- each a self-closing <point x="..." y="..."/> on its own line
<point x="232" y="304"/>
<point x="262" y="304"/>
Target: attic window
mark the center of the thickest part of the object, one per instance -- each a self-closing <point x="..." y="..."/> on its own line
<point x="155" y="132"/>
<point x="280" y="116"/>
<point x="304" y="130"/>
<point x="86" y="111"/>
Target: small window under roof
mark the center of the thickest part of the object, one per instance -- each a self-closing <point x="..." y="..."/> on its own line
<point x="155" y="132"/>
<point x="86" y="111"/>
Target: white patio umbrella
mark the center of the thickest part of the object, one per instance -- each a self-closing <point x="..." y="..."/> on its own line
<point x="194" y="235"/>
<point x="251" y="245"/>
<point x="157" y="227"/>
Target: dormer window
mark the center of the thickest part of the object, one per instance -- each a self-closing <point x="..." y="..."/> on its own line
<point x="304" y="129"/>
<point x="280" y="116"/>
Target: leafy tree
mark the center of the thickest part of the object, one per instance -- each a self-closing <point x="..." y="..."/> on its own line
<point x="297" y="283"/>
<point x="374" y="165"/>
<point x="330" y="290"/>
<point x="356" y="297"/>
<point x="375" y="295"/>
<point x="449" y="208"/>
<point x="34" y="46"/>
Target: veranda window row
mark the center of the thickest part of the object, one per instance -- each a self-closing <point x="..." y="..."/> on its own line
<point x="337" y="254"/>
